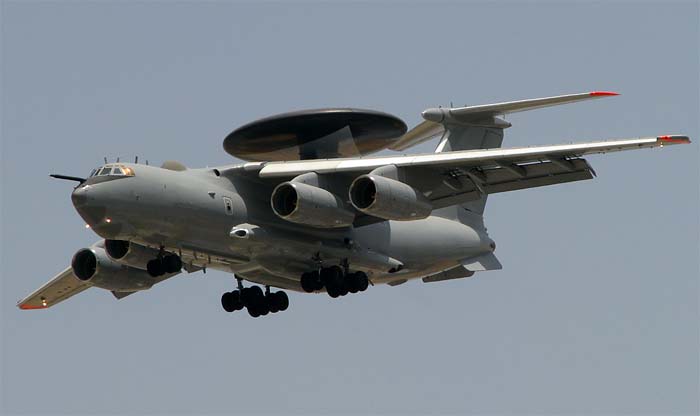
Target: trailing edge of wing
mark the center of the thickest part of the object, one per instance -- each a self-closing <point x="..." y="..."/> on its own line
<point x="478" y="157"/>
<point x="436" y="118"/>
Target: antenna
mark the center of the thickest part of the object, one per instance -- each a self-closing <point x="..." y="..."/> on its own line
<point x="451" y="105"/>
<point x="136" y="159"/>
<point x="146" y="162"/>
<point x="105" y="159"/>
<point x="117" y="159"/>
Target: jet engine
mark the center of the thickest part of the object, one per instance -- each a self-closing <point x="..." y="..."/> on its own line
<point x="131" y="254"/>
<point x="310" y="205"/>
<point x="93" y="265"/>
<point x="388" y="198"/>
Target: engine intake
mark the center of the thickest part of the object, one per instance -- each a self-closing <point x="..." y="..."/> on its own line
<point x="388" y="198"/>
<point x="310" y="205"/>
<point x="130" y="253"/>
<point x="93" y="265"/>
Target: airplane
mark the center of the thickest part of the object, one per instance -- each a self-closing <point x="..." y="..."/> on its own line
<point x="309" y="211"/>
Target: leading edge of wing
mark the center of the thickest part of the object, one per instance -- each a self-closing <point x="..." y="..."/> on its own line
<point x="437" y="118"/>
<point x="480" y="156"/>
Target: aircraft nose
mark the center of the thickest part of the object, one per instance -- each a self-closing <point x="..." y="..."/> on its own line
<point x="79" y="196"/>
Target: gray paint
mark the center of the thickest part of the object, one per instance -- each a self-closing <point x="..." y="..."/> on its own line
<point x="548" y="334"/>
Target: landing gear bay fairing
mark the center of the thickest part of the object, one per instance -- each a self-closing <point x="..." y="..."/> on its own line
<point x="309" y="211"/>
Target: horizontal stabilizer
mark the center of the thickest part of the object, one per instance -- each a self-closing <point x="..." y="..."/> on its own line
<point x="458" y="272"/>
<point x="121" y="295"/>
<point x="482" y="263"/>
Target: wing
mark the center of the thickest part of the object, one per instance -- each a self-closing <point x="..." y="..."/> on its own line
<point x="452" y="178"/>
<point x="436" y="119"/>
<point x="60" y="288"/>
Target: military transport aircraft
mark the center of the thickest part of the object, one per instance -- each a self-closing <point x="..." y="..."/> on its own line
<point x="309" y="212"/>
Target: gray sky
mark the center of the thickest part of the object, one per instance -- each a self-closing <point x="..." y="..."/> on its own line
<point x="595" y="311"/>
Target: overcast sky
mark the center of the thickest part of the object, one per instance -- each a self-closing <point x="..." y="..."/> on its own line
<point x="595" y="311"/>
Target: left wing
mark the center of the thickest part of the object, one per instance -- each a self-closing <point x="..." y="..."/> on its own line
<point x="61" y="287"/>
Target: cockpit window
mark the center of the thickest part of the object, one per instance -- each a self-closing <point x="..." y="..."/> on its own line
<point x="112" y="170"/>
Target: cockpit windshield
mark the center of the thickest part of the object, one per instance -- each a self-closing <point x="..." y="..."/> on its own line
<point x="112" y="170"/>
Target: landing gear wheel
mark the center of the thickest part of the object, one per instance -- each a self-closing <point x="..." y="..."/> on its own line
<point x="227" y="302"/>
<point x="343" y="289"/>
<point x="236" y="298"/>
<point x="308" y="283"/>
<point x="332" y="278"/>
<point x="271" y="301"/>
<point x="318" y="284"/>
<point x="363" y="281"/>
<point x="352" y="281"/>
<point x="282" y="300"/>
<point x="172" y="263"/>
<point x="155" y="268"/>
<point x="333" y="291"/>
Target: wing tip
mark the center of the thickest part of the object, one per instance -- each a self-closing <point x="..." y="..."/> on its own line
<point x="603" y="93"/>
<point x="27" y="307"/>
<point x="673" y="139"/>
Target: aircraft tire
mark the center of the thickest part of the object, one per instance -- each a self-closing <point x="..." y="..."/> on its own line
<point x="172" y="263"/>
<point x="363" y="281"/>
<point x="227" y="302"/>
<point x="237" y="303"/>
<point x="155" y="268"/>
<point x="318" y="283"/>
<point x="307" y="282"/>
<point x="272" y="304"/>
<point x="253" y="312"/>
<point x="282" y="301"/>
<point x="352" y="281"/>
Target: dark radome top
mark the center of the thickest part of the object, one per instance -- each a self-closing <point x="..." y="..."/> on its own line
<point x="315" y="134"/>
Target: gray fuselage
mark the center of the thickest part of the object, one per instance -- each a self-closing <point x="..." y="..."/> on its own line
<point x="192" y="212"/>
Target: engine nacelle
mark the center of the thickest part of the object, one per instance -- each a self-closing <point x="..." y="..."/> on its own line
<point x="310" y="205"/>
<point x="93" y="265"/>
<point x="129" y="253"/>
<point x="388" y="198"/>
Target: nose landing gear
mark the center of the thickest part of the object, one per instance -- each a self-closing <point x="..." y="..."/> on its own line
<point x="253" y="299"/>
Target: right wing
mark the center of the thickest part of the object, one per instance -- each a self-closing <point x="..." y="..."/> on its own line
<point x="479" y="158"/>
<point x="60" y="288"/>
<point x="452" y="178"/>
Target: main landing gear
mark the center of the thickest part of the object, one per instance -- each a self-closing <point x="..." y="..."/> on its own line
<point x="253" y="299"/>
<point x="338" y="282"/>
<point x="164" y="263"/>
